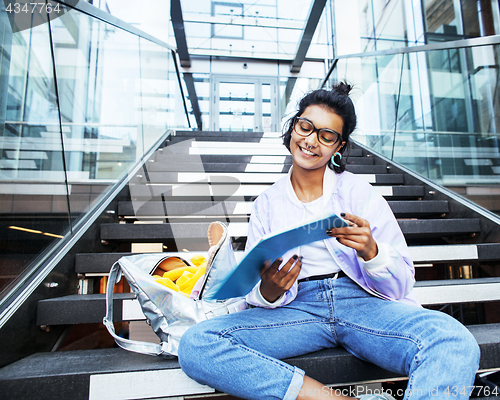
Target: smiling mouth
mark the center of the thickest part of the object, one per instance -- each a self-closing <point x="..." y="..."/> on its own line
<point x="307" y="152"/>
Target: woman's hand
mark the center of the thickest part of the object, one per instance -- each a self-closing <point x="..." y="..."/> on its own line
<point x="357" y="236"/>
<point x="274" y="283"/>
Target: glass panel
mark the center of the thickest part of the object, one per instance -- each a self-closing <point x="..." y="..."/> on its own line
<point x="117" y="94"/>
<point x="231" y="10"/>
<point x="160" y="97"/>
<point x="32" y="178"/>
<point x="435" y="112"/>
<point x="236" y="106"/>
<point x="443" y="20"/>
<point x="98" y="75"/>
<point x="300" y="88"/>
<point x="267" y="125"/>
<point x="262" y="29"/>
<point x="379" y="77"/>
<point x="365" y="16"/>
<point x="391" y="22"/>
<point x="481" y="17"/>
<point x="471" y="15"/>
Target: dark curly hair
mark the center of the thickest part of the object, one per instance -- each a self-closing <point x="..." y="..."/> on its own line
<point x="337" y="100"/>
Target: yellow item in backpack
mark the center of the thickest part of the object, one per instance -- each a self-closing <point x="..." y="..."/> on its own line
<point x="168" y="283"/>
<point x="177" y="273"/>
<point x="198" y="259"/>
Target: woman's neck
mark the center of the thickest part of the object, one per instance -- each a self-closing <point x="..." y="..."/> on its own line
<point x="307" y="184"/>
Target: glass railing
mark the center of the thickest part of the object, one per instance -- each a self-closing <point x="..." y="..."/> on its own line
<point x="84" y="97"/>
<point x="434" y="109"/>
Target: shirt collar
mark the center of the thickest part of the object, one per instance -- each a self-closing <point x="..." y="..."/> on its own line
<point x="329" y="183"/>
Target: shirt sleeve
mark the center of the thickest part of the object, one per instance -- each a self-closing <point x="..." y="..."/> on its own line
<point x="391" y="273"/>
<point x="378" y="262"/>
<point x="255" y="298"/>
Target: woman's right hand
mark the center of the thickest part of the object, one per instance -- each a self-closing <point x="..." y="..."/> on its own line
<point x="275" y="282"/>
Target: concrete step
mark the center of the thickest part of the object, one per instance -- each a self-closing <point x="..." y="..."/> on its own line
<point x="100" y="263"/>
<point x="250" y="177"/>
<point x="226" y="148"/>
<point x="198" y="230"/>
<point x="237" y="191"/>
<point x="224" y="209"/>
<point x="163" y="157"/>
<point x="120" y="374"/>
<point x="91" y="308"/>
<point x="198" y="166"/>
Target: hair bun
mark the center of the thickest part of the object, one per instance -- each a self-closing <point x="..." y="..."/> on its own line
<point x="342" y="87"/>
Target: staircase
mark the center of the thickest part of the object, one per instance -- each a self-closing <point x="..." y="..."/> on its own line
<point x="195" y="178"/>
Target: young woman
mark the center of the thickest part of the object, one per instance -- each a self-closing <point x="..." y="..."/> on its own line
<point x="352" y="290"/>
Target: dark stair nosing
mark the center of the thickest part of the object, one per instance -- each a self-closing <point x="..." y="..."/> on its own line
<point x="360" y="160"/>
<point x="439" y="227"/>
<point x="91" y="308"/>
<point x="79" y="309"/>
<point x="96" y="263"/>
<point x="408" y="191"/>
<point x="225" y="191"/>
<point x="225" y="139"/>
<point x="71" y="371"/>
<point x="173" y="177"/>
<point x="171" y="156"/>
<point x="366" y="169"/>
<point x="202" y="134"/>
<point x="243" y="167"/>
<point x="212" y="167"/>
<point x="192" y="208"/>
<point x="161" y="158"/>
<point x="417" y="207"/>
<point x="180" y="208"/>
<point x="197" y="230"/>
<point x="100" y="263"/>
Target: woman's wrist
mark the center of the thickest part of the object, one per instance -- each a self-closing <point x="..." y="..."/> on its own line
<point x="371" y="253"/>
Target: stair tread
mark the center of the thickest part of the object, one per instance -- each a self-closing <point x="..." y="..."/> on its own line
<point x="197" y="230"/>
<point x="91" y="308"/>
<point x="99" y="263"/>
<point x="248" y="177"/>
<point x="202" y="208"/>
<point x="68" y="364"/>
<point x="224" y="191"/>
<point x="160" y="158"/>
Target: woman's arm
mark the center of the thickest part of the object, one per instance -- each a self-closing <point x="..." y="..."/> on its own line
<point x="381" y="248"/>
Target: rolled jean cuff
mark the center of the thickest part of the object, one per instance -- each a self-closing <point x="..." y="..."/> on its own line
<point x="295" y="385"/>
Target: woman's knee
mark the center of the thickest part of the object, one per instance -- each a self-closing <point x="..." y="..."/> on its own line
<point x="193" y="347"/>
<point x="453" y="341"/>
<point x="468" y="347"/>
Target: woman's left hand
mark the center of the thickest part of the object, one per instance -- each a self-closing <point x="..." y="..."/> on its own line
<point x="357" y="236"/>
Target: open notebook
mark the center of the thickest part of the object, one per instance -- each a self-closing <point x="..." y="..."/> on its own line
<point x="247" y="273"/>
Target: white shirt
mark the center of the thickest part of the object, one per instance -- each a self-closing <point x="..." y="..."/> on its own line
<point x="316" y="260"/>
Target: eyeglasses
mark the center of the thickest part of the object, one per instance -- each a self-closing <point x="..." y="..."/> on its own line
<point x="304" y="128"/>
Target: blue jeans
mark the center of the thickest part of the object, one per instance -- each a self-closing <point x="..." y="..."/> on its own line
<point x="239" y="353"/>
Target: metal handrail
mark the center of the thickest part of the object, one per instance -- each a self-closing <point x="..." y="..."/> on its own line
<point x="456" y="44"/>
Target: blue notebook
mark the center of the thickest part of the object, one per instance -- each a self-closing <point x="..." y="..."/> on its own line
<point x="270" y="247"/>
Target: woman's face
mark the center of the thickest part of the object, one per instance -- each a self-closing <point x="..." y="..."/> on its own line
<point x="308" y="152"/>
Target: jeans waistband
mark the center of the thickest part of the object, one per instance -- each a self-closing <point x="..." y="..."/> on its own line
<point x="336" y="275"/>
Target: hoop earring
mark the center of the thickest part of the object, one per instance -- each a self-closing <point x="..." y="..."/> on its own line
<point x="333" y="158"/>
